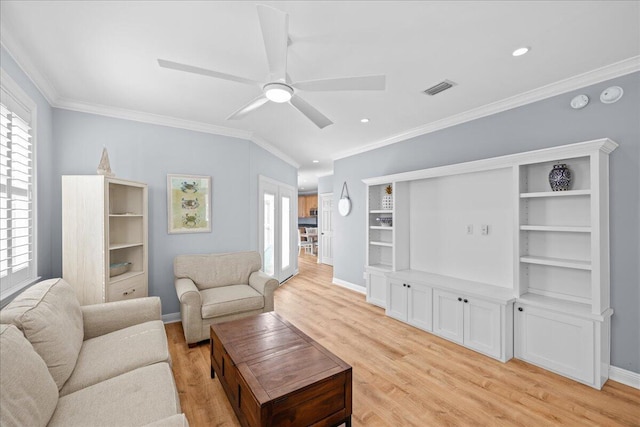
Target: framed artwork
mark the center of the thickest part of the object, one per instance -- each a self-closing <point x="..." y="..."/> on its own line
<point x="189" y="204"/>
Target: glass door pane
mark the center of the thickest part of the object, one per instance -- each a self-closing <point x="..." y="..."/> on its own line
<point x="269" y="233"/>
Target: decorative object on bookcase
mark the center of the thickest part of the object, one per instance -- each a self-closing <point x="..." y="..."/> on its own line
<point x="344" y="204"/>
<point x="560" y="177"/>
<point x="119" y="268"/>
<point x="104" y="167"/>
<point x="387" y="199"/>
<point x="385" y="221"/>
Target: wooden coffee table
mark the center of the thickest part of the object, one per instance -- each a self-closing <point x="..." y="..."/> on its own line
<point x="275" y="375"/>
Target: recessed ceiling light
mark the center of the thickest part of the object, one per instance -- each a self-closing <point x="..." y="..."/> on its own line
<point x="521" y="51"/>
<point x="316" y="161"/>
<point x="365" y="120"/>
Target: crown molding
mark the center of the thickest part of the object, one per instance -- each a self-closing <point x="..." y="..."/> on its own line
<point x="627" y="66"/>
<point x="15" y="51"/>
<point x="261" y="142"/>
<point x="156" y="119"/>
<point x="160" y="120"/>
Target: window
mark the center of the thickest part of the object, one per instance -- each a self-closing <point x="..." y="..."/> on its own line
<point x="17" y="201"/>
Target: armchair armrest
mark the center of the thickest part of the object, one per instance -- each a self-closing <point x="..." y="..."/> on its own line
<point x="266" y="285"/>
<point x="190" y="309"/>
<point x="100" y="319"/>
<point x="187" y="292"/>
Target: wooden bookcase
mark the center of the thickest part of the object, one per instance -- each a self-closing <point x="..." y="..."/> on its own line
<point x="104" y="222"/>
<point x="485" y="254"/>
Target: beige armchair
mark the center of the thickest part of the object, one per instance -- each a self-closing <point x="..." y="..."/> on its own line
<point x="215" y="288"/>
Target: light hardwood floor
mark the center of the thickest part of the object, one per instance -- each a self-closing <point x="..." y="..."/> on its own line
<point x="403" y="376"/>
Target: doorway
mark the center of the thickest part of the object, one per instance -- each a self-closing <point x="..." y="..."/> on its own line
<point x="325" y="249"/>
<point x="276" y="228"/>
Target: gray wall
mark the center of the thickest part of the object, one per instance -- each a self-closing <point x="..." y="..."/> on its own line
<point x="44" y="162"/>
<point x="325" y="184"/>
<point x="543" y="124"/>
<point x="147" y="153"/>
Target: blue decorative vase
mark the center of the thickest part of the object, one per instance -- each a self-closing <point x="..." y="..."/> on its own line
<point x="560" y="177"/>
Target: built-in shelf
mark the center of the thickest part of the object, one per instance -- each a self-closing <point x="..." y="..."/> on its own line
<point x="115" y="246"/>
<point x="379" y="227"/>
<point x="557" y="262"/>
<point x="125" y="215"/>
<point x="125" y="276"/>
<point x="556" y="194"/>
<point x="386" y="244"/>
<point x="380" y="267"/>
<point x="566" y="229"/>
<point x="381" y="211"/>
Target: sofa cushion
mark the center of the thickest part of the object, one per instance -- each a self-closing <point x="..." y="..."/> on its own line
<point x="49" y="315"/>
<point x="213" y="270"/>
<point x="118" y="352"/>
<point x="178" y="420"/>
<point x="230" y="299"/>
<point x="28" y="394"/>
<point x="136" y="398"/>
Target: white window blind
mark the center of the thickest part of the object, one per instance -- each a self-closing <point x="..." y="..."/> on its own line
<point x="17" y="236"/>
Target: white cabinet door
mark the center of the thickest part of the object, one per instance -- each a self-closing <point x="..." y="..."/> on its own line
<point x="377" y="289"/>
<point x="397" y="300"/>
<point x="555" y="341"/>
<point x="482" y="326"/>
<point x="448" y="315"/>
<point x="420" y="306"/>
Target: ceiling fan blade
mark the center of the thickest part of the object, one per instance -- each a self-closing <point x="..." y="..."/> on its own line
<point x="274" y="24"/>
<point x="344" y="83"/>
<point x="312" y="114"/>
<point x="246" y="109"/>
<point x="205" y="72"/>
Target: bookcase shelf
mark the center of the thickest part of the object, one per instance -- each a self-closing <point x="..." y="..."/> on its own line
<point x="104" y="222"/>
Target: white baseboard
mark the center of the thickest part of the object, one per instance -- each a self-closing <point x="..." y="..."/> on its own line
<point x="171" y="317"/>
<point x="350" y="286"/>
<point x="632" y="379"/>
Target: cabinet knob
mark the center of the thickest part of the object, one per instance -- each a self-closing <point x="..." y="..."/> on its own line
<point x="404" y="284"/>
<point x="520" y="309"/>
<point x="408" y="286"/>
<point x="466" y="300"/>
<point x="459" y="299"/>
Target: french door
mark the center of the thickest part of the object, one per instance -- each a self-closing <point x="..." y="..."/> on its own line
<point x="276" y="228"/>
<point x="325" y="255"/>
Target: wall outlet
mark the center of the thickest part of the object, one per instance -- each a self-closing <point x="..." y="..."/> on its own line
<point x="470" y="229"/>
<point x="484" y="229"/>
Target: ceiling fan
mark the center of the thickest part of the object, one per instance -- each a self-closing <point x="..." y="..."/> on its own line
<point x="280" y="88"/>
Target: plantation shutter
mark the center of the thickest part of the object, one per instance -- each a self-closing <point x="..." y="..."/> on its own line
<point x="17" y="235"/>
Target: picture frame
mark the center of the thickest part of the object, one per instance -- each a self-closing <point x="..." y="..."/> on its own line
<point x="188" y="204"/>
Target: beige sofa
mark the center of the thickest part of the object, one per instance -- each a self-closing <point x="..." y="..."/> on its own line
<point x="99" y="365"/>
<point x="215" y="288"/>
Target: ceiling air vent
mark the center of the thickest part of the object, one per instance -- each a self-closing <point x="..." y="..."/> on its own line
<point x="440" y="87"/>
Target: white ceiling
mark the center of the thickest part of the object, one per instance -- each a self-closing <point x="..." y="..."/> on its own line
<point x="102" y="57"/>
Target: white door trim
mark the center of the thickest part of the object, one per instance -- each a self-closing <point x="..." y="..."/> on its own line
<point x="264" y="181"/>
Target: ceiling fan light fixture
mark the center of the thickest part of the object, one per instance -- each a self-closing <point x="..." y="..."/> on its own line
<point x="278" y="92"/>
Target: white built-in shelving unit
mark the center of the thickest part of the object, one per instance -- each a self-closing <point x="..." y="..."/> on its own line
<point x="485" y="254"/>
<point x="104" y="222"/>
